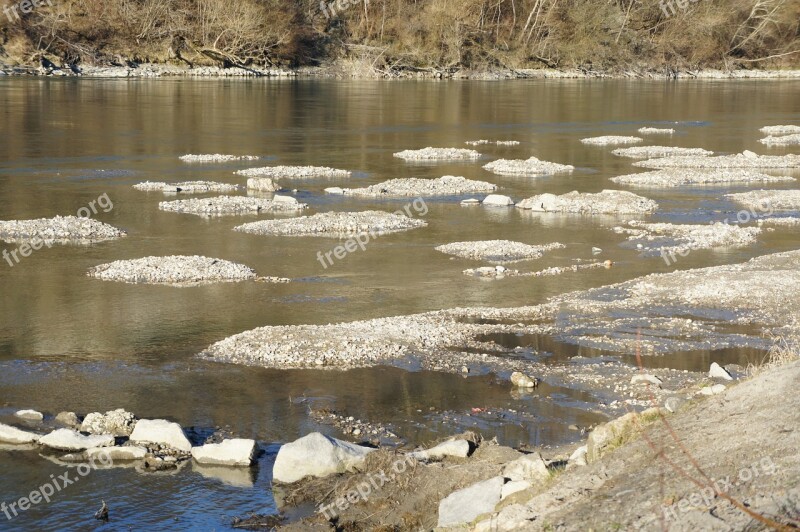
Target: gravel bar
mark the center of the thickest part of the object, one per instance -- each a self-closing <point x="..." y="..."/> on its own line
<point x="605" y="202"/>
<point x="295" y="172"/>
<point x="746" y="159"/>
<point x="531" y="166"/>
<point x="61" y="229"/>
<point x="438" y="154"/>
<point x="652" y="152"/>
<point x="610" y="140"/>
<point x="689" y="176"/>
<point x="187" y="187"/>
<point x="779" y="200"/>
<point x="335" y="224"/>
<point x="232" y="205"/>
<point x="497" y="250"/>
<point x="217" y="158"/>
<point x="414" y="186"/>
<point x="659" y="238"/>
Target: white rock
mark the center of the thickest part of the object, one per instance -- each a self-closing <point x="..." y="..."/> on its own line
<point x="509" y="488"/>
<point x="578" y="457"/>
<point x="335" y="190"/>
<point x="712" y="390"/>
<point x="317" y="455"/>
<point x="163" y="432"/>
<point x="235" y="452"/>
<point x="529" y="467"/>
<point x="456" y="448"/>
<point x="463" y="506"/>
<point x="70" y="440"/>
<point x="115" y="422"/>
<point x="69" y="419"/>
<point x="520" y="380"/>
<point x="644" y="377"/>
<point x="471" y="201"/>
<point x="718" y="372"/>
<point x="262" y="184"/>
<point x="284" y="199"/>
<point x="116" y="454"/>
<point x="498" y="200"/>
<point x="9" y="434"/>
<point x="611" y="139"/>
<point x="31" y="415"/>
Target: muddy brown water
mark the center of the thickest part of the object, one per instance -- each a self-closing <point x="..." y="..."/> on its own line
<point x="68" y="342"/>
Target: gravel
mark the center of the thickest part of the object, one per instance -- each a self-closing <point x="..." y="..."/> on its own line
<point x="605" y="202"/>
<point x="61" y="229"/>
<point x="780" y="130"/>
<point x="438" y="154"/>
<point x="531" y="166"/>
<point x="187" y="187"/>
<point x="649" y="152"/>
<point x="217" y="158"/>
<point x="176" y="270"/>
<point x="232" y="205"/>
<point x="497" y="250"/>
<point x="295" y="172"/>
<point x="746" y="159"/>
<point x="658" y="238"/>
<point x="779" y="200"/>
<point x="784" y="221"/>
<point x="610" y="140"/>
<point x="786" y="140"/>
<point x="334" y="224"/>
<point x="414" y="186"/>
<point x="687" y="177"/>
<point x="656" y="131"/>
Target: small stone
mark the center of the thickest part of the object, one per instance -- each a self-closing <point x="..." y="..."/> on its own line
<point x="644" y="377"/>
<point x="68" y="419"/>
<point x="30" y="415"/>
<point x="498" y="200"/>
<point x="718" y="372"/>
<point x="520" y="380"/>
<point x="529" y="467"/>
<point x="335" y="190"/>
<point x="70" y="440"/>
<point x="712" y="390"/>
<point x="453" y="448"/>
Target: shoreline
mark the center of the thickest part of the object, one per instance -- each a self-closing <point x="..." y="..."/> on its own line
<point x="338" y="71"/>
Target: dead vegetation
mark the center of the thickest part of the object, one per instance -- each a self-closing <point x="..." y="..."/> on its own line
<point x="392" y="37"/>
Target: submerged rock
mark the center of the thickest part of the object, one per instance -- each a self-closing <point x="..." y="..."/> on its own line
<point x="216" y="158"/>
<point x="161" y="431"/>
<point x="116" y="454"/>
<point x="497" y="250"/>
<point x="295" y="172"/>
<point x="235" y="452"/>
<point x="520" y="380"/>
<point x="463" y="506"/>
<point x="605" y="202"/>
<point x="661" y="238"/>
<point x="177" y="270"/>
<point x="335" y="224"/>
<point x="414" y="186"/>
<point x="316" y="455"/>
<point x="656" y="131"/>
<point x="438" y="154"/>
<point x="527" y="167"/>
<point x="13" y="435"/>
<point x="609" y="140"/>
<point x="496" y="142"/>
<point x="60" y="230"/>
<point x="70" y="440"/>
<point x="228" y="205"/>
<point x="115" y="422"/>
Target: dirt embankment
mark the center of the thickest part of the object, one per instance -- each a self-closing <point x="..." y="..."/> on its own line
<point x="726" y="462"/>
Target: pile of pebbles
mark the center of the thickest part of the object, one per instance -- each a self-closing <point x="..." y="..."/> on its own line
<point x="610" y="140"/>
<point x="175" y="270"/>
<point x="295" y="172"/>
<point x="335" y="224"/>
<point x="656" y="238"/>
<point x="232" y="205"/>
<point x="656" y="131"/>
<point x="746" y="159"/>
<point x="531" y="166"/>
<point x="605" y="202"/>
<point x="414" y="186"/>
<point x="61" y="229"/>
<point x="484" y="142"/>
<point x="438" y="154"/>
<point x="500" y="272"/>
<point x="187" y="187"/>
<point x="652" y="152"/>
<point x="690" y="176"/>
<point x="217" y="158"/>
<point x="351" y="426"/>
<point x="497" y="250"/>
<point x="779" y="200"/>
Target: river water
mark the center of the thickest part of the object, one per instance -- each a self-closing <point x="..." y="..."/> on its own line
<point x="68" y="342"/>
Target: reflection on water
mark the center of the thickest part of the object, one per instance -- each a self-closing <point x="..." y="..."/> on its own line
<point x="68" y="342"/>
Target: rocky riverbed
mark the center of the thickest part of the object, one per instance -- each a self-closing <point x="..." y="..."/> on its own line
<point x="232" y="205"/>
<point x="60" y="229"/>
<point x="673" y="177"/>
<point x="335" y="224"/>
<point x="500" y="251"/>
<point x="444" y="186"/>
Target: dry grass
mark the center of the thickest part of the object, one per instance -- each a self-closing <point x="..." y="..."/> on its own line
<point x="784" y="351"/>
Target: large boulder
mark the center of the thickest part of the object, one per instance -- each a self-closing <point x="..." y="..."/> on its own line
<point x="70" y="440"/>
<point x="236" y="452"/>
<point x="317" y="455"/>
<point x="454" y="448"/>
<point x="530" y="467"/>
<point x="162" y="432"/>
<point x="463" y="506"/>
<point x="9" y="434"/>
<point x="115" y="422"/>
